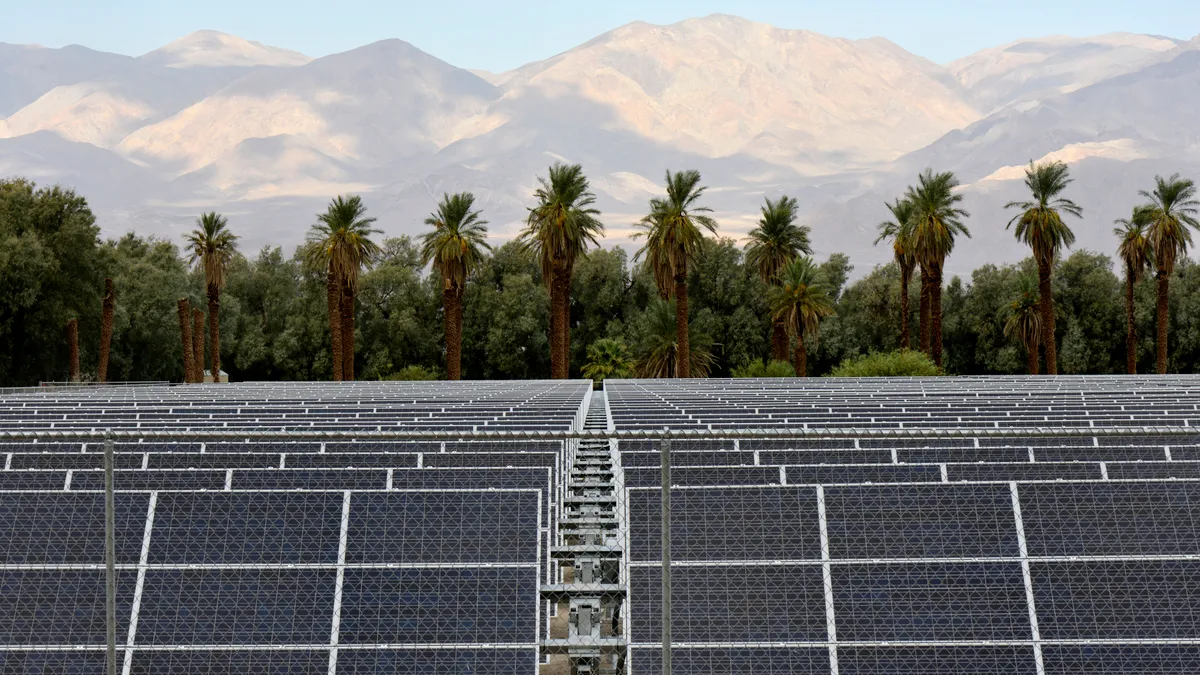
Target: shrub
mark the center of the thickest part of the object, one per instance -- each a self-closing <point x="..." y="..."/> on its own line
<point x="904" y="363"/>
<point x="414" y="373"/>
<point x="761" y="369"/>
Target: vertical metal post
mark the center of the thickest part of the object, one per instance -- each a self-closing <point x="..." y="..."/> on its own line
<point x="110" y="554"/>
<point x="665" y="451"/>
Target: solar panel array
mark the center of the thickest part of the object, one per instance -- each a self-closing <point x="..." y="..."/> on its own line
<point x="965" y="554"/>
<point x="256" y="556"/>
<point x="341" y="552"/>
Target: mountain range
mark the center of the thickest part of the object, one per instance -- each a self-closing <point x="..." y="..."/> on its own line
<point x="267" y="136"/>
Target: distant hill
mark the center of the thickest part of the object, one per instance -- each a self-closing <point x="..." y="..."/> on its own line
<point x="266" y="135"/>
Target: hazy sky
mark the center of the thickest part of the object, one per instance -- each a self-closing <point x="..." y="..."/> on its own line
<point x="498" y="34"/>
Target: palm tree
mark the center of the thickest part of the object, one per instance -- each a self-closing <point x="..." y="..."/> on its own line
<point x="773" y="244"/>
<point x="659" y="353"/>
<point x="455" y="247"/>
<point x="1040" y="225"/>
<point x="902" y="250"/>
<point x="213" y="245"/>
<point x="934" y="223"/>
<point x="1172" y="209"/>
<point x="184" y="309"/>
<point x="341" y="243"/>
<point x="608" y="358"/>
<point x="801" y="300"/>
<point x="558" y="231"/>
<point x="673" y="236"/>
<point x="107" y="310"/>
<point x="1136" y="255"/>
<point x="1024" y="322"/>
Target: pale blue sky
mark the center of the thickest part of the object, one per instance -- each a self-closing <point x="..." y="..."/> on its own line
<point x="498" y="35"/>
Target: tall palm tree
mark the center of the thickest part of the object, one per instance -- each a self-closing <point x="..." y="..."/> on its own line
<point x="214" y="246"/>
<point x="773" y="244"/>
<point x="1172" y="210"/>
<point x="1040" y="225"/>
<point x="1024" y="322"/>
<point x="340" y="242"/>
<point x="659" y="353"/>
<point x="608" y="358"/>
<point x="674" y="231"/>
<point x="801" y="300"/>
<point x="184" y="309"/>
<point x="902" y="251"/>
<point x="1136" y="255"/>
<point x="558" y="231"/>
<point x="934" y="223"/>
<point x="455" y="248"/>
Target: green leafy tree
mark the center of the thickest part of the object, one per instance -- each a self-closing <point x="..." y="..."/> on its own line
<point x="608" y="358"/>
<point x="892" y="230"/>
<point x="1136" y="256"/>
<point x="558" y="230"/>
<point x="759" y="369"/>
<point x="903" y="363"/>
<point x="341" y="243"/>
<point x="801" y="301"/>
<point x="1172" y="209"/>
<point x="50" y="271"/>
<point x="601" y="292"/>
<point x="935" y="223"/>
<point x="213" y="245"/>
<point x="455" y="247"/>
<point x="774" y="243"/>
<point x="673" y="230"/>
<point x="1023" y="322"/>
<point x="658" y="350"/>
<point x="1041" y="227"/>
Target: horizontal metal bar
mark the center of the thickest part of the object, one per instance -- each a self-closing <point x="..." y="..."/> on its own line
<point x="366" y="435"/>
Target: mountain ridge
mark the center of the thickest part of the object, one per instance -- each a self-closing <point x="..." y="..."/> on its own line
<point x="212" y="121"/>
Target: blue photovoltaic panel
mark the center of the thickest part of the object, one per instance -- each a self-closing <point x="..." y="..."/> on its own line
<point x="936" y="661"/>
<point x="191" y="662"/>
<point x="768" y="603"/>
<point x="454" y="661"/>
<point x="426" y="606"/>
<point x="59" y="607"/>
<point x="236" y="607"/>
<point x="930" y="601"/>
<point x="771" y="523"/>
<point x="921" y="521"/>
<point x="64" y="528"/>
<point x="1084" y="519"/>
<point x="736" y="660"/>
<point x="138" y="480"/>
<point x="246" y="528"/>
<point x="443" y="527"/>
<point x="75" y="662"/>
<point x="1146" y="659"/>
<point x="1118" y="600"/>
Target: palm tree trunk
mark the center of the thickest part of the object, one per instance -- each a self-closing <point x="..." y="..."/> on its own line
<point x="453" y="317"/>
<point x="214" y="330"/>
<point x="800" y="356"/>
<point x="779" y="340"/>
<point x="198" y="343"/>
<point x="1046" y="303"/>
<point x="905" y="276"/>
<point x="560" y="321"/>
<point x="1130" y="326"/>
<point x="935" y="314"/>
<point x="683" y="350"/>
<point x="333" y="296"/>
<point x="106" y="329"/>
<point x="1163" y="281"/>
<point x="1032" y="358"/>
<point x="185" y="333"/>
<point x="73" y="349"/>
<point x="925" y="311"/>
<point x="347" y="332"/>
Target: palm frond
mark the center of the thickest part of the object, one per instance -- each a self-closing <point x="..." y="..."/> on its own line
<point x="456" y="243"/>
